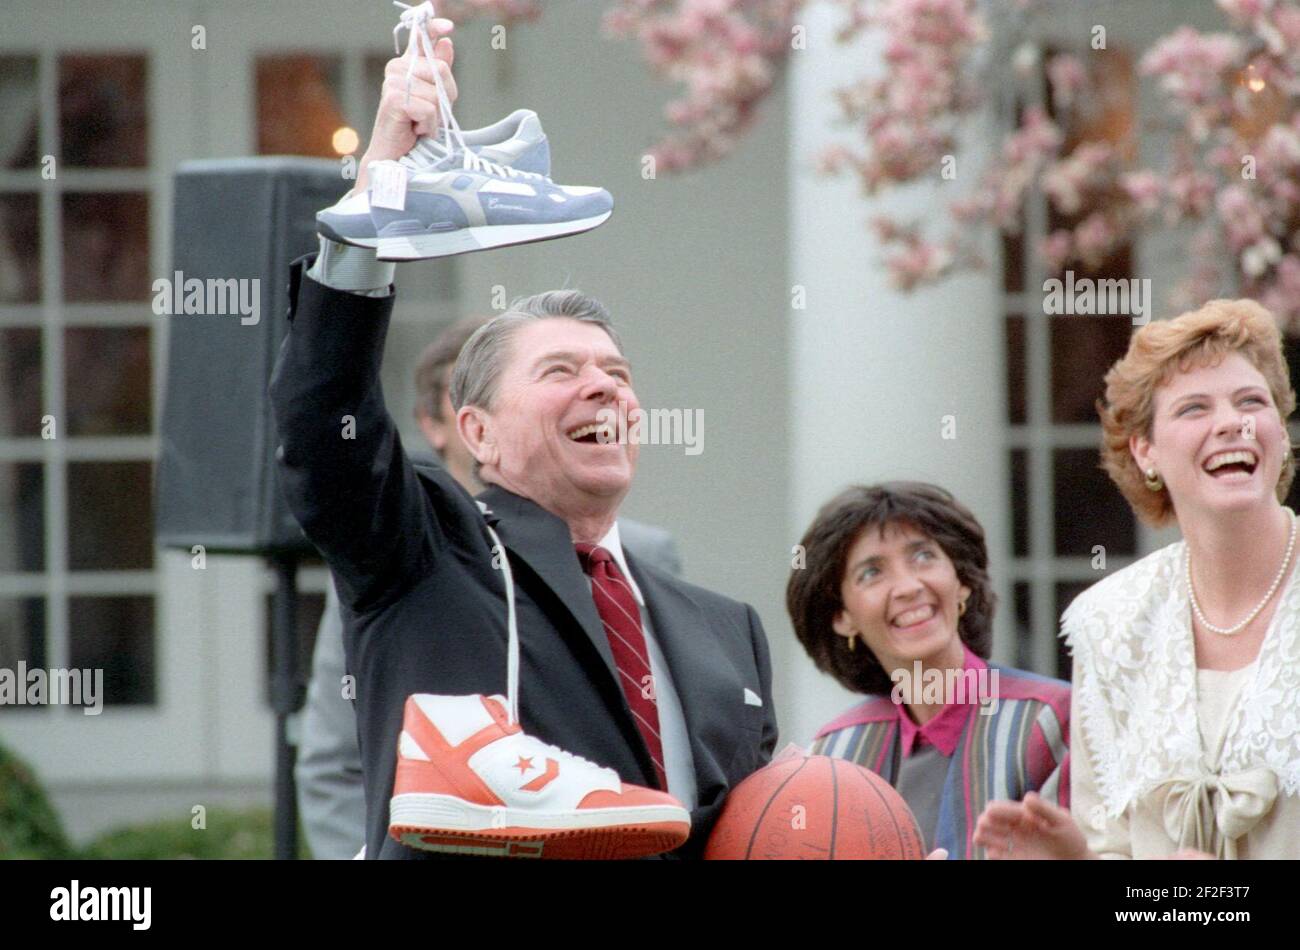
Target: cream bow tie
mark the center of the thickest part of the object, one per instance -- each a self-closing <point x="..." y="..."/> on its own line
<point x="1230" y="804"/>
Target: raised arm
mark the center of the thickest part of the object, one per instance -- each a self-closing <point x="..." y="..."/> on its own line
<point x="342" y="468"/>
<point x="344" y="473"/>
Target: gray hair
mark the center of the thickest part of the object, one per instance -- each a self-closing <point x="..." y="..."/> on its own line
<point x="478" y="369"/>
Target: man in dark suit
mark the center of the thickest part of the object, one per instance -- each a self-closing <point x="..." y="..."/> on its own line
<point x="331" y="796"/>
<point x="423" y="603"/>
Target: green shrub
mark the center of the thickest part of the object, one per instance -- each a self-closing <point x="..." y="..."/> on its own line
<point x="229" y="834"/>
<point x="29" y="825"/>
<point x="30" y="828"/>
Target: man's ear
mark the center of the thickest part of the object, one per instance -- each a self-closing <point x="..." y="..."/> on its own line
<point x="475" y="427"/>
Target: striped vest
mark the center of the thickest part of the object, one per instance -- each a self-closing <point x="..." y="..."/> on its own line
<point x="1023" y="746"/>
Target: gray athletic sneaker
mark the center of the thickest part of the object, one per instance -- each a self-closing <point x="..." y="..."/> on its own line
<point x="517" y="141"/>
<point x="454" y="212"/>
<point x="446" y="197"/>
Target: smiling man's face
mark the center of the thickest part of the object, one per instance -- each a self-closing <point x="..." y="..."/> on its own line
<point x="559" y="375"/>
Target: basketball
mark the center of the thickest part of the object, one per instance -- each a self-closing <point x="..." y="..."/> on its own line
<point x="814" y="808"/>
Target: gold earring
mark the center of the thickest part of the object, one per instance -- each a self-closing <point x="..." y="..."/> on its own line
<point x="853" y="639"/>
<point x="961" y="608"/>
<point x="1153" y="480"/>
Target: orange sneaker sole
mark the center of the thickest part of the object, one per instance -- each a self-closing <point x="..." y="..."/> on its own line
<point x="614" y="842"/>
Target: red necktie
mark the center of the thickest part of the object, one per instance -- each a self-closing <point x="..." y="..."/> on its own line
<point x="621" y="617"/>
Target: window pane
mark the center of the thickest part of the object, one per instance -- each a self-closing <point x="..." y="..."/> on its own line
<point x="1019" y="503"/>
<point x="106" y="247"/>
<point x="1105" y="113"/>
<point x="1015" y="328"/>
<point x="1089" y="508"/>
<point x="20" y="117"/>
<point x="20" y="381"/>
<point x="298" y="111"/>
<point x="20" y="248"/>
<point x="110" y="516"/>
<point x="1293" y="495"/>
<point x="1066" y="591"/>
<point x="1083" y="349"/>
<point x="1013" y="258"/>
<point x="103" y="111"/>
<point x="22" y="632"/>
<point x="115" y="634"/>
<point x="1291" y="346"/>
<point x="108" y="378"/>
<point x="22" y="517"/>
<point x="1020" y="596"/>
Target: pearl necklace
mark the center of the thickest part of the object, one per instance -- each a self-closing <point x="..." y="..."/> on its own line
<point x="1231" y="631"/>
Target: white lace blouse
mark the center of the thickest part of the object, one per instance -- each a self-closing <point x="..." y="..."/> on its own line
<point x="1144" y="782"/>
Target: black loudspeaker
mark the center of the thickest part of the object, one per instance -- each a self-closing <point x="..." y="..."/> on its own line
<point x="238" y="224"/>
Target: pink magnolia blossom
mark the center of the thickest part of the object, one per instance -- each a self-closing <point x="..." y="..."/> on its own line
<point x="1192" y="191"/>
<point x="1284" y="30"/>
<point x="1243" y="221"/>
<point x="723" y="53"/>
<point x="1282" y="295"/>
<point x="1260" y="256"/>
<point x="1191" y="65"/>
<point x="1065" y="182"/>
<point x="1056" y="250"/>
<point x="1035" y="139"/>
<point x="889" y="229"/>
<point x="1245" y="10"/>
<point x="940" y="23"/>
<point x="724" y="57"/>
<point x="1144" y="188"/>
<point x="973" y="207"/>
<point x="1095" y="239"/>
<point x="1068" y="77"/>
<point x="918" y="262"/>
<point x="1278" y="153"/>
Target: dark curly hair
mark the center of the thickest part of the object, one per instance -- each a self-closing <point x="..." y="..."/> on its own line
<point x="813" y="595"/>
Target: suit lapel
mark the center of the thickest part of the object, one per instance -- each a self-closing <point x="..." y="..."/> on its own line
<point x="541" y="540"/>
<point x="708" y="684"/>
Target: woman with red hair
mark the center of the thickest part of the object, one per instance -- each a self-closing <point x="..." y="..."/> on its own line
<point x="1187" y="663"/>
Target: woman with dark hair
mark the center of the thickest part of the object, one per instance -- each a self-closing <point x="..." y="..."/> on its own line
<point x="894" y="601"/>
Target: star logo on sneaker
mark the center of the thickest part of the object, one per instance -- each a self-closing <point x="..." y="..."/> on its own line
<point x="546" y="778"/>
<point x="469" y="780"/>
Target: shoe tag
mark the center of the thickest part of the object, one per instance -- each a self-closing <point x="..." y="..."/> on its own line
<point x="387" y="185"/>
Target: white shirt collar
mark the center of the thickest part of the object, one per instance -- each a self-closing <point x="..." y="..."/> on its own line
<point x="611" y="543"/>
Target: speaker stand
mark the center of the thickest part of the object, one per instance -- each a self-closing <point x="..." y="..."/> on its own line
<point x="287" y="695"/>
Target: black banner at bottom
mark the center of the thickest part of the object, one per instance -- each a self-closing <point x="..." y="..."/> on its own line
<point x="118" y="899"/>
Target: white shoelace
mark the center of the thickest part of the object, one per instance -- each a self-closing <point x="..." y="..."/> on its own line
<point x="512" y="629"/>
<point x="413" y="19"/>
<point x="562" y="754"/>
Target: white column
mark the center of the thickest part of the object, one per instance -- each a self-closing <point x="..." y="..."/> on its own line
<point x="874" y="371"/>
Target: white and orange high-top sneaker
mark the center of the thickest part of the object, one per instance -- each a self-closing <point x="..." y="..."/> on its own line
<point x="469" y="781"/>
